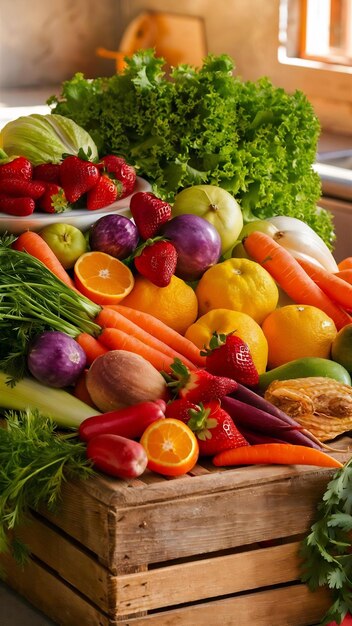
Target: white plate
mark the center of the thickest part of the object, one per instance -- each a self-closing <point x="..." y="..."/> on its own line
<point x="81" y="218"/>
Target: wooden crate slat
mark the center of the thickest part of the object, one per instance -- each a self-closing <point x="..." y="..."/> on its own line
<point x="51" y="595"/>
<point x="218" y="521"/>
<point x="194" y="581"/>
<point x="288" y="606"/>
<point x="80" y="569"/>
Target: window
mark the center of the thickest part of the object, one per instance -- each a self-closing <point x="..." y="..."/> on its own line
<point x="326" y="30"/>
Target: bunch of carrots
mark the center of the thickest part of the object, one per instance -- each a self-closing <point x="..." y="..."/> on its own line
<point x="303" y="281"/>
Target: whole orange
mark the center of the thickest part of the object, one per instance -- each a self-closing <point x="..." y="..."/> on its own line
<point x="238" y="285"/>
<point x="176" y="305"/>
<point x="226" y="321"/>
<point x="296" y="331"/>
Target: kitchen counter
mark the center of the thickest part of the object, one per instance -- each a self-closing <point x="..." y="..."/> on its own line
<point x="15" y="611"/>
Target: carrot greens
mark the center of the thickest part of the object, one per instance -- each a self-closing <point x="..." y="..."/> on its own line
<point x="326" y="551"/>
<point x="33" y="299"/>
<point x="36" y="460"/>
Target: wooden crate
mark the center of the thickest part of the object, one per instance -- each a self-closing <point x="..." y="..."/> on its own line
<point x="214" y="547"/>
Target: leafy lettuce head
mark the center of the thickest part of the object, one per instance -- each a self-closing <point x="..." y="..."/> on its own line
<point x="45" y="138"/>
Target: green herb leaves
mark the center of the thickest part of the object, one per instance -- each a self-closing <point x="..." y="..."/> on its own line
<point x="327" y="550"/>
<point x="35" y="461"/>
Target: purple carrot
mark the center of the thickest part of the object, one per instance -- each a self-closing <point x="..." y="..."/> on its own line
<point x="261" y="421"/>
<point x="254" y="438"/>
<point x="254" y="399"/>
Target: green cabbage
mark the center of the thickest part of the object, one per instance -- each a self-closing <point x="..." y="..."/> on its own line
<point x="45" y="138"/>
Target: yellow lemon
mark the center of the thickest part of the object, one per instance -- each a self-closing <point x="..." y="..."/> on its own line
<point x="296" y="331"/>
<point x="238" y="285"/>
<point x="226" y="321"/>
<point x="176" y="305"/>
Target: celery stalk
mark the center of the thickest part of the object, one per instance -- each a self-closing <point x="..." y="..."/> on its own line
<point x="66" y="410"/>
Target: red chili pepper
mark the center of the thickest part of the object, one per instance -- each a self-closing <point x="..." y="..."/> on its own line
<point x="129" y="422"/>
<point x="117" y="456"/>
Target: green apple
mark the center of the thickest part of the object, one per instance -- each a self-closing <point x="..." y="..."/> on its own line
<point x="262" y="225"/>
<point x="217" y="206"/>
<point x="66" y="241"/>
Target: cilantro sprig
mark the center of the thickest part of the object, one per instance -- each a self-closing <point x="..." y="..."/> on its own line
<point x="327" y="549"/>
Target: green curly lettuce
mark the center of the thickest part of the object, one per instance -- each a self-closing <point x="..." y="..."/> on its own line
<point x="206" y="125"/>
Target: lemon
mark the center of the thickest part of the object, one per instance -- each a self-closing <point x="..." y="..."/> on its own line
<point x="238" y="285"/>
<point x="226" y="321"/>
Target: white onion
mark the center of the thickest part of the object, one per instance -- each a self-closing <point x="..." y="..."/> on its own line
<point x="302" y="242"/>
<point x="284" y="222"/>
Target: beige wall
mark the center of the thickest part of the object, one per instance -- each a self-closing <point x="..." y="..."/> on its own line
<point x="43" y="42"/>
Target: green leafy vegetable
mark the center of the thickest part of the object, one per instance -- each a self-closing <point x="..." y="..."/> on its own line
<point x="36" y="461"/>
<point x="206" y="126"/>
<point x="32" y="300"/>
<point x="327" y="550"/>
<point x="45" y="138"/>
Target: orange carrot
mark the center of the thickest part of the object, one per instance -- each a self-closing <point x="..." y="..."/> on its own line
<point x="275" y="453"/>
<point x="345" y="275"/>
<point x="109" y="318"/>
<point x="33" y="244"/>
<point x="81" y="392"/>
<point x="91" y="347"/>
<point x="115" y="339"/>
<point x="334" y="287"/>
<point x="291" y="277"/>
<point x="345" y="264"/>
<point x="163" y="332"/>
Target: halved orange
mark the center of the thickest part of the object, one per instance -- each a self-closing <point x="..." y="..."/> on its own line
<point x="102" y="278"/>
<point x="171" y="446"/>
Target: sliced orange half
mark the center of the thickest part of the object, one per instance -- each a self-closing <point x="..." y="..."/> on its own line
<point x="102" y="278"/>
<point x="172" y="448"/>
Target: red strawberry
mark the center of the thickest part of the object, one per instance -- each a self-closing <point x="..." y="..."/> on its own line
<point x="228" y="355"/>
<point x="77" y="176"/>
<point x="18" y="168"/>
<point x="102" y="194"/>
<point x="149" y="213"/>
<point x="53" y="200"/>
<point x="123" y="174"/>
<point x="48" y="172"/>
<point x="214" y="429"/>
<point x="179" y="409"/>
<point x="198" y="385"/>
<point x="157" y="262"/>
<point x="16" y="206"/>
<point x="21" y="188"/>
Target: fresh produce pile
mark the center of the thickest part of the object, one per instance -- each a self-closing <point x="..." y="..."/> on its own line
<point x="205" y="126"/>
<point x="145" y="344"/>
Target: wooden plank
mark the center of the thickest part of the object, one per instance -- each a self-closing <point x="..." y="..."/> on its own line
<point x="289" y="606"/>
<point x="51" y="595"/>
<point x="79" y="568"/>
<point x="200" y="579"/>
<point x="217" y="521"/>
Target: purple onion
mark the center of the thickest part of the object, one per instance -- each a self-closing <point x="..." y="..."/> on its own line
<point x="115" y="235"/>
<point x="197" y="242"/>
<point x="55" y="359"/>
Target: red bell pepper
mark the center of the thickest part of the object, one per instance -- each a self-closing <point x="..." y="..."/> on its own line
<point x="129" y="422"/>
